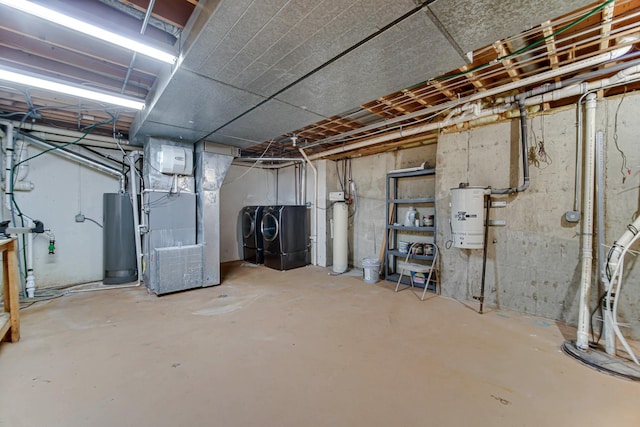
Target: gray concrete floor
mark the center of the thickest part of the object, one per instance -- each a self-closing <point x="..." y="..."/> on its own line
<point x="297" y="348"/>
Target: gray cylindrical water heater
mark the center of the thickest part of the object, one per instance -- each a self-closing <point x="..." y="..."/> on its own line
<point x="118" y="239"/>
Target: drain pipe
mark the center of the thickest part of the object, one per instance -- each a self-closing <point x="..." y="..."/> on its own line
<point x="614" y="283"/>
<point x="524" y="149"/>
<point x="314" y="237"/>
<point x="303" y="184"/>
<point x="587" y="223"/>
<point x="31" y="279"/>
<point x="133" y="193"/>
<point x="8" y="164"/>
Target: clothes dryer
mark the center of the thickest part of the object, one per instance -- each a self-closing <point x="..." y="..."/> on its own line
<point x="252" y="248"/>
<point x="285" y="235"/>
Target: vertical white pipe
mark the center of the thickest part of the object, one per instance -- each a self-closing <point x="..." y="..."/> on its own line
<point x="314" y="237"/>
<point x="31" y="279"/>
<point x="303" y="184"/>
<point x="134" y="203"/>
<point x="8" y="187"/>
<point x="587" y="222"/>
<point x="607" y="327"/>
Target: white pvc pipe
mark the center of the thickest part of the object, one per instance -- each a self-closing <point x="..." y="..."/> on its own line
<point x="8" y="163"/>
<point x="548" y="75"/>
<point x="409" y="132"/>
<point x="621" y="247"/>
<point x="582" y="342"/>
<point x="133" y="193"/>
<point x="314" y="237"/>
<point x="31" y="279"/>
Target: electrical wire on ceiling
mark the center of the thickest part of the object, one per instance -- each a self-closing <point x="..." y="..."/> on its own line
<point x="533" y="55"/>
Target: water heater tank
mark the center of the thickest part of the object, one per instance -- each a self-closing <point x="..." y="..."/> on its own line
<point x="467" y="217"/>
<point x="119" y="252"/>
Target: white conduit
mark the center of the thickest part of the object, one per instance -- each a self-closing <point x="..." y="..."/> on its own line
<point x="587" y="222"/>
<point x="574" y="90"/>
<point x="548" y="75"/>
<point x="412" y="131"/>
<point x="314" y="237"/>
<point x="615" y="265"/>
<point x="8" y="164"/>
<point x="133" y="193"/>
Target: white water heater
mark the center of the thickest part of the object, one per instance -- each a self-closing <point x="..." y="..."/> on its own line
<point x="340" y="236"/>
<point x="467" y="217"/>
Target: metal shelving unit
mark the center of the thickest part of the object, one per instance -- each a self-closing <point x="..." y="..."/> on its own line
<point x="395" y="200"/>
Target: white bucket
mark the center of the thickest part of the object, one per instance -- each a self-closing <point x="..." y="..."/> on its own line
<point x="371" y="269"/>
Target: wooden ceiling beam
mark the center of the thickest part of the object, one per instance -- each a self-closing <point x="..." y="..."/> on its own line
<point x="508" y="63"/>
<point x="475" y="81"/>
<point x="443" y="90"/>
<point x="415" y="97"/>
<point x="550" y="43"/>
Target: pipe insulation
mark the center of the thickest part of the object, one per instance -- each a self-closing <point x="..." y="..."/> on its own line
<point x="584" y="314"/>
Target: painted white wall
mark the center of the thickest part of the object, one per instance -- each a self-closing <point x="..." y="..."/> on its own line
<point x="63" y="189"/>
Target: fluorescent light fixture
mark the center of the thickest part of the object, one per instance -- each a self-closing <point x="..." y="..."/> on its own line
<point x="91" y="30"/>
<point x="70" y="90"/>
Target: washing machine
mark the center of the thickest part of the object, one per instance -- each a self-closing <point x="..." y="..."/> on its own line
<point x="252" y="249"/>
<point x="285" y="235"/>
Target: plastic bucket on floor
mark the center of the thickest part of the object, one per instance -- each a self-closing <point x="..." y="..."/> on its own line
<point x="371" y="269"/>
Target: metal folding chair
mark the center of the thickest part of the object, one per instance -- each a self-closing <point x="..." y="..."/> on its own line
<point x="429" y="269"/>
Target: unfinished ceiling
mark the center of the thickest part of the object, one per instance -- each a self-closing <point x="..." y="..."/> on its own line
<point x="253" y="73"/>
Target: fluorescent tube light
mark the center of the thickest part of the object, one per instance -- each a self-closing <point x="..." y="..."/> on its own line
<point x="70" y="90"/>
<point x="91" y="30"/>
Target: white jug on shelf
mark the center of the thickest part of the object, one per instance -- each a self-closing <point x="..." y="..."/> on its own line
<point x="410" y="218"/>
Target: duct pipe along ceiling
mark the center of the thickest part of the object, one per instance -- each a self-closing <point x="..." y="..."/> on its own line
<point x="262" y="69"/>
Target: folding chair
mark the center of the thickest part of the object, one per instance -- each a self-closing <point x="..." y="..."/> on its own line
<point x="414" y="267"/>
